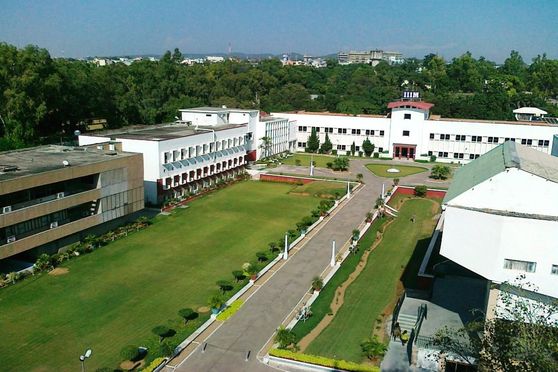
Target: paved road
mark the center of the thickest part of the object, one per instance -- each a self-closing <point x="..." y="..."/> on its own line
<point x="253" y="325"/>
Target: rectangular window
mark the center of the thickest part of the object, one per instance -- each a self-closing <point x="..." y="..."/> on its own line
<point x="358" y="131"/>
<point x="445" y="154"/>
<point x="357" y="148"/>
<point x="431" y="135"/>
<point x="407" y="116"/>
<point x="458" y="137"/>
<point x="380" y="149"/>
<point x="442" y="136"/>
<point x="429" y="153"/>
<point x="353" y="131"/>
<point x="490" y="139"/>
<point x="317" y="129"/>
<point x="523" y="141"/>
<point x="554" y="270"/>
<point x="455" y="155"/>
<point x="406" y="133"/>
<point x="461" y="155"/>
<point x="496" y="139"/>
<point x="367" y="132"/>
<point x="440" y="154"/>
<point x="447" y="136"/>
<point x="471" y="156"/>
<point x="546" y="143"/>
<point x="371" y="132"/>
<point x="381" y="133"/>
<point x="529" y="142"/>
<point x="526" y="266"/>
<point x="541" y="142"/>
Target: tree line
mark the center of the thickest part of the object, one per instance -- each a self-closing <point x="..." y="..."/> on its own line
<point x="43" y="99"/>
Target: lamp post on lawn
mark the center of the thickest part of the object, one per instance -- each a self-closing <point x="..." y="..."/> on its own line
<point x="83" y="357"/>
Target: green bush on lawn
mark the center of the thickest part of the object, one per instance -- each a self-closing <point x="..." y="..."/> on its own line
<point x="154" y="364"/>
<point x="327" y="362"/>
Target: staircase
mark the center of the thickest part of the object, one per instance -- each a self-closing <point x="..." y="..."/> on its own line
<point x="407" y="322"/>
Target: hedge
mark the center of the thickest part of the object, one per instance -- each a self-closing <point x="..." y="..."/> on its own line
<point x="322" y="361"/>
<point x="154" y="364"/>
<point x="229" y="311"/>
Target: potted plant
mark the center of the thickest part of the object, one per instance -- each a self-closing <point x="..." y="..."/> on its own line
<point x="216" y="303"/>
<point x="317" y="284"/>
<point x="369" y="216"/>
<point x="252" y="271"/>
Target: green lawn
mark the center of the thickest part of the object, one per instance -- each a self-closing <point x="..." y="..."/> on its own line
<point x="380" y="170"/>
<point x="376" y="286"/>
<point x="115" y="296"/>
<point x="324" y="189"/>
<point x="320" y="160"/>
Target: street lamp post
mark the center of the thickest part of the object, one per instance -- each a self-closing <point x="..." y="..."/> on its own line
<point x="82" y="358"/>
<point x="312" y="165"/>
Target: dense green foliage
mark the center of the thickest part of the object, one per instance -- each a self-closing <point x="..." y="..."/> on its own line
<point x="43" y="99"/>
<point x="313" y="143"/>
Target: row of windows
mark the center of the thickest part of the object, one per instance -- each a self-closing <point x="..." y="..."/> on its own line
<point x="462" y="138"/>
<point x="356" y="132"/>
<point x="206" y="148"/>
<point x="456" y="155"/>
<point x="526" y="266"/>
<point x="338" y="147"/>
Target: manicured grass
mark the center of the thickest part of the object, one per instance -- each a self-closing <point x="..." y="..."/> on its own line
<point x="322" y="305"/>
<point x="380" y="170"/>
<point x="376" y="286"/>
<point x="320" y="160"/>
<point x="324" y="189"/>
<point x="114" y="296"/>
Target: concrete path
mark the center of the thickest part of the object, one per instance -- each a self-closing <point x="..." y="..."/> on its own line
<point x="234" y="345"/>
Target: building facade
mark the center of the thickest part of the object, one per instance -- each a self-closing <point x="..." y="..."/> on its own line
<point x="51" y="192"/>
<point x="410" y="132"/>
<point x="369" y="57"/>
<point x="206" y="144"/>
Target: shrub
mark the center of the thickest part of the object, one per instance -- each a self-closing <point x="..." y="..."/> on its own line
<point x="154" y="364"/>
<point x="43" y="262"/>
<point x="224" y="285"/>
<point x="262" y="256"/>
<point x="161" y="331"/>
<point x="322" y="361"/>
<point x="440" y="172"/>
<point x="216" y="301"/>
<point x="285" y="337"/>
<point x="166" y="349"/>
<point x="229" y="311"/>
<point x="372" y="348"/>
<point x="317" y="283"/>
<point x="432" y="158"/>
<point x="376" y="155"/>
<point x="273" y="247"/>
<point x="238" y="275"/>
<point x="130" y="352"/>
<point x="187" y="314"/>
<point x="395" y="181"/>
<point x="329" y="164"/>
<point x="420" y="191"/>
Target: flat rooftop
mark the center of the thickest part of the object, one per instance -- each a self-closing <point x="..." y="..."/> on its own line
<point x="160" y="132"/>
<point x="216" y="109"/>
<point x="35" y="160"/>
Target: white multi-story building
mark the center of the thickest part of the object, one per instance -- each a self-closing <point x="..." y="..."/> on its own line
<point x="410" y="132"/>
<point x="206" y="144"/>
<point x="501" y="219"/>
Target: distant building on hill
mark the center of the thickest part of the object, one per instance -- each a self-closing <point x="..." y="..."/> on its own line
<point x="371" y="57"/>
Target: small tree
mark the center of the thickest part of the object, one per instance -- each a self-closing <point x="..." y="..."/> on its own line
<point x="367" y="147"/>
<point x="341" y="163"/>
<point x="224" y="285"/>
<point x="379" y="203"/>
<point x="313" y="143"/>
<point x="285" y="337"/>
<point x="359" y="177"/>
<point x="216" y="301"/>
<point x="238" y="275"/>
<point x="327" y="145"/>
<point x="130" y="352"/>
<point x="356" y="235"/>
<point x="369" y="216"/>
<point x="440" y="172"/>
<point x="395" y="181"/>
<point x="266" y="145"/>
<point x="187" y="314"/>
<point x="353" y="149"/>
<point x="166" y="349"/>
<point x="161" y="331"/>
<point x="372" y="348"/>
<point x="420" y="191"/>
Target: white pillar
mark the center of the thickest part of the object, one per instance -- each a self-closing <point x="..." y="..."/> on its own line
<point x="286" y="253"/>
<point x="348" y="190"/>
<point x="312" y="165"/>
<point x="332" y="262"/>
<point x="383" y="191"/>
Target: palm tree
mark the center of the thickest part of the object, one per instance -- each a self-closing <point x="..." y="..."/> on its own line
<point x="372" y="348"/>
<point x="285" y="337"/>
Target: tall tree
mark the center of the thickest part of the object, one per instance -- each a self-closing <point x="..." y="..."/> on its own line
<point x="313" y="143"/>
<point x="326" y="146"/>
<point x="367" y="147"/>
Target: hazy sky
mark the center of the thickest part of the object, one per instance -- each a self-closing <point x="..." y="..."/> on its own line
<point x="489" y="28"/>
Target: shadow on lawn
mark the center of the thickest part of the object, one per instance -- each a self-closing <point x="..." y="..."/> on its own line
<point x="409" y="276"/>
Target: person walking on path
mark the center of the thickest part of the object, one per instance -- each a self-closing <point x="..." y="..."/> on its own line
<point x="404" y="337"/>
<point x="396" y="331"/>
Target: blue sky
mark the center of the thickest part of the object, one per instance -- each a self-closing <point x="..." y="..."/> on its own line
<point x="490" y="28"/>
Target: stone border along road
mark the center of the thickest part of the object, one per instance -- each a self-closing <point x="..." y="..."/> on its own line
<point x="234" y="344"/>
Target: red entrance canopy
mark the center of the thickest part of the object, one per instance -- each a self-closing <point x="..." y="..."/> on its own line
<point x="417" y="105"/>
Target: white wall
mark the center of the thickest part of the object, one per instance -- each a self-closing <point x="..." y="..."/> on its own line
<point x="482" y="241"/>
